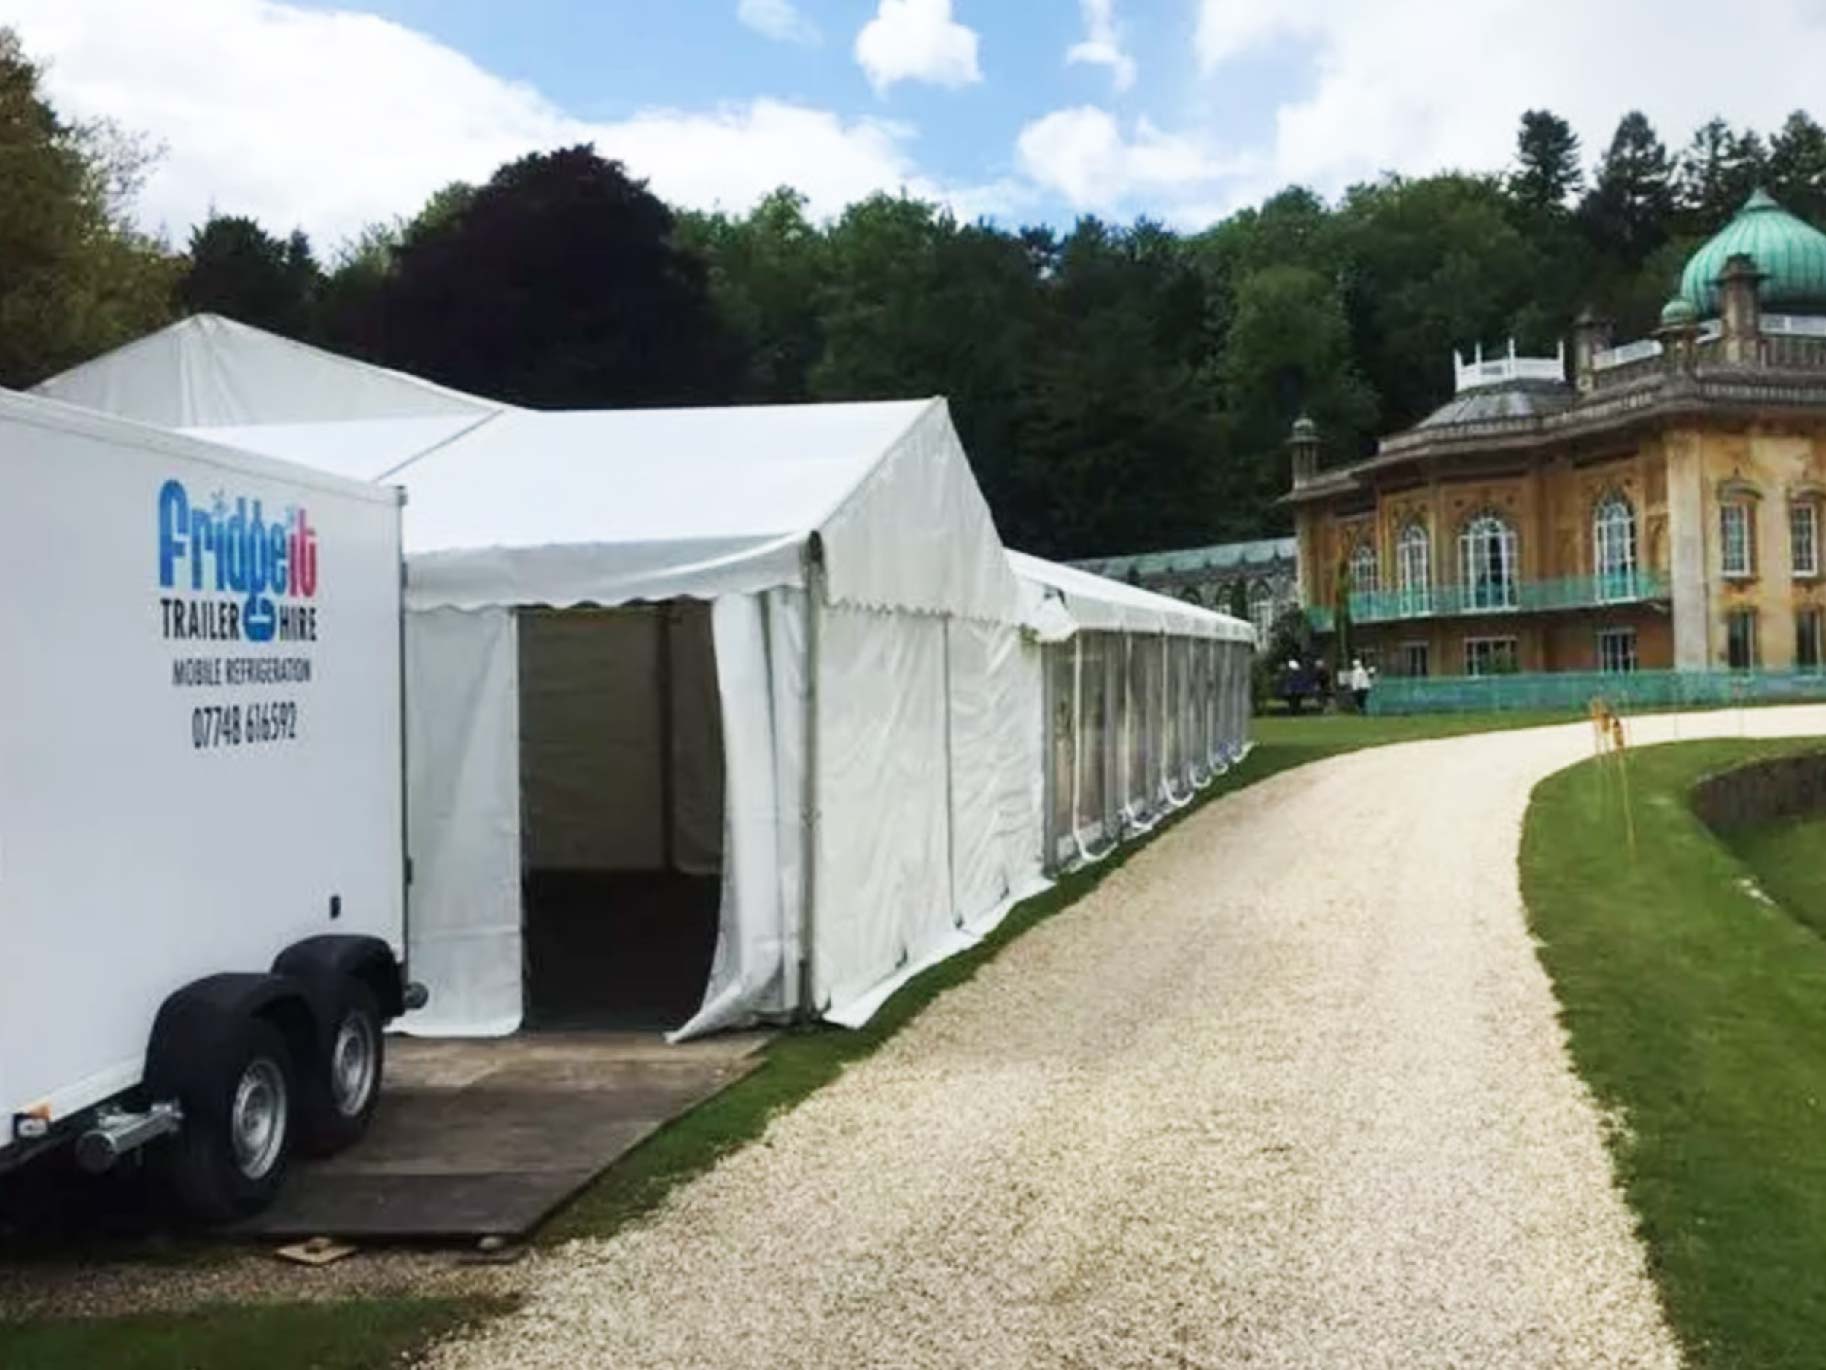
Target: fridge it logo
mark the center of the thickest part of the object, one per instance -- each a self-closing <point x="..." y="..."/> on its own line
<point x="235" y="549"/>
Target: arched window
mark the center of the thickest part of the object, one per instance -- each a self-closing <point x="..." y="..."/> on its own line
<point x="1486" y="563"/>
<point x="1261" y="611"/>
<point x="1613" y="534"/>
<point x="1414" y="567"/>
<point x="1365" y="574"/>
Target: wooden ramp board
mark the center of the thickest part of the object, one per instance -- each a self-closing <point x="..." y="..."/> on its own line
<point x="486" y="1138"/>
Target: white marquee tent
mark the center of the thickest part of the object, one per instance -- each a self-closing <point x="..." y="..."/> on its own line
<point x="778" y="648"/>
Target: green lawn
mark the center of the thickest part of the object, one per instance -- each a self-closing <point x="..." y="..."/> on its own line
<point x="309" y="1337"/>
<point x="1329" y="733"/>
<point x="365" y="1334"/>
<point x="1697" y="1011"/>
<point x="1790" y="864"/>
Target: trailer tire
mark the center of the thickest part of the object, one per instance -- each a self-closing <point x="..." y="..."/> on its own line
<point x="341" y="1088"/>
<point x="229" y="1158"/>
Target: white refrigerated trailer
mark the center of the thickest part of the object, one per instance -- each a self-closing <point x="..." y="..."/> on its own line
<point x="202" y="873"/>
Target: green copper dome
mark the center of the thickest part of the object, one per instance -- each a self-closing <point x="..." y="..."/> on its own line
<point x="1789" y="252"/>
<point x="1679" y="312"/>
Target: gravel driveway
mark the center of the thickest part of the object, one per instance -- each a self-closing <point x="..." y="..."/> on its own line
<point x="1286" y="1090"/>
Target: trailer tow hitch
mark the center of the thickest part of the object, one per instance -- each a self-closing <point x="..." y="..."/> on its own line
<point x="115" y="1132"/>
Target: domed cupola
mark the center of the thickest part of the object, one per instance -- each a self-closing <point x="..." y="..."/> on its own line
<point x="1679" y="312"/>
<point x="1789" y="253"/>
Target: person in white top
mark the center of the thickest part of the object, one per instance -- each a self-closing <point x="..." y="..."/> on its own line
<point x="1359" y="683"/>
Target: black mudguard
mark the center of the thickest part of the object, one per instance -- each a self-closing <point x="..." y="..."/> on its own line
<point x="321" y="962"/>
<point x="200" y="1023"/>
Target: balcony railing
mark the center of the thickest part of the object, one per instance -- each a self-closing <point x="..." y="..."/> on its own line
<point x="1791" y="342"/>
<point x="1508" y="597"/>
<point x="1501" y="370"/>
<point x="1573" y="691"/>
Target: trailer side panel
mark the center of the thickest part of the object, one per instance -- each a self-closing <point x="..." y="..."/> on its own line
<point x="199" y="735"/>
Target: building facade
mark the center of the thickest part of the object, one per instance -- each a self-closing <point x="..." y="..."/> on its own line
<point x="1651" y="505"/>
<point x="1262" y="575"/>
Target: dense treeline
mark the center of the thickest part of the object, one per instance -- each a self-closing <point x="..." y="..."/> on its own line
<point x="1119" y="387"/>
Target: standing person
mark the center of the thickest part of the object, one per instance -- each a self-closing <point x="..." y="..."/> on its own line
<point x="1359" y="683"/>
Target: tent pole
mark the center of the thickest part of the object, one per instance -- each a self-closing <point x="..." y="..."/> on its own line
<point x="1049" y="769"/>
<point x="405" y="777"/>
<point x="808" y="923"/>
<point x="957" y="918"/>
<point x="1164" y="697"/>
<point x="1126" y="739"/>
<point x="1077" y="740"/>
<point x="668" y="750"/>
<point x="1112" y="742"/>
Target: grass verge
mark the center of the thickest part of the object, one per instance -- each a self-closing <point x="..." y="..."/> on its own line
<point x="1696" y="1011"/>
<point x="364" y="1334"/>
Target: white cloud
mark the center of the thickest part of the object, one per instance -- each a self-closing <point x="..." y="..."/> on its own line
<point x="1083" y="155"/>
<point x="1102" y="44"/>
<point x="1418" y="85"/>
<point x="917" y="40"/>
<point x="332" y="120"/>
<point x="779" y="20"/>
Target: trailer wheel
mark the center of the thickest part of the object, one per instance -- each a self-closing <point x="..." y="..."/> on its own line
<point x="339" y="1098"/>
<point x="229" y="1158"/>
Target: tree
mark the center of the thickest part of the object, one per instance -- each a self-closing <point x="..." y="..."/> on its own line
<point x="1634" y="300"/>
<point x="1120" y="442"/>
<point x="352" y="297"/>
<point x="1716" y="174"/>
<point x="1626" y="213"/>
<point x="1288" y="352"/>
<point x="238" y="269"/>
<point x="76" y="277"/>
<point x="444" y="206"/>
<point x="1439" y="264"/>
<point x="1547" y="151"/>
<point x="916" y="304"/>
<point x="349" y="317"/>
<point x="1290" y="229"/>
<point x="556" y="284"/>
<point x="1797" y="167"/>
<point x="767" y="273"/>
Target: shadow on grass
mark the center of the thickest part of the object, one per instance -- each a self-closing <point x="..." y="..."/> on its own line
<point x="1789" y="859"/>
<point x="1696" y="1011"/>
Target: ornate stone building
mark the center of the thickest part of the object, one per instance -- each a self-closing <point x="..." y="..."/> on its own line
<point x="1659" y="507"/>
<point x="1266" y="569"/>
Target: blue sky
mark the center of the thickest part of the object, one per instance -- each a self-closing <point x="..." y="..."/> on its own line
<point x="331" y="116"/>
<point x="610" y="60"/>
